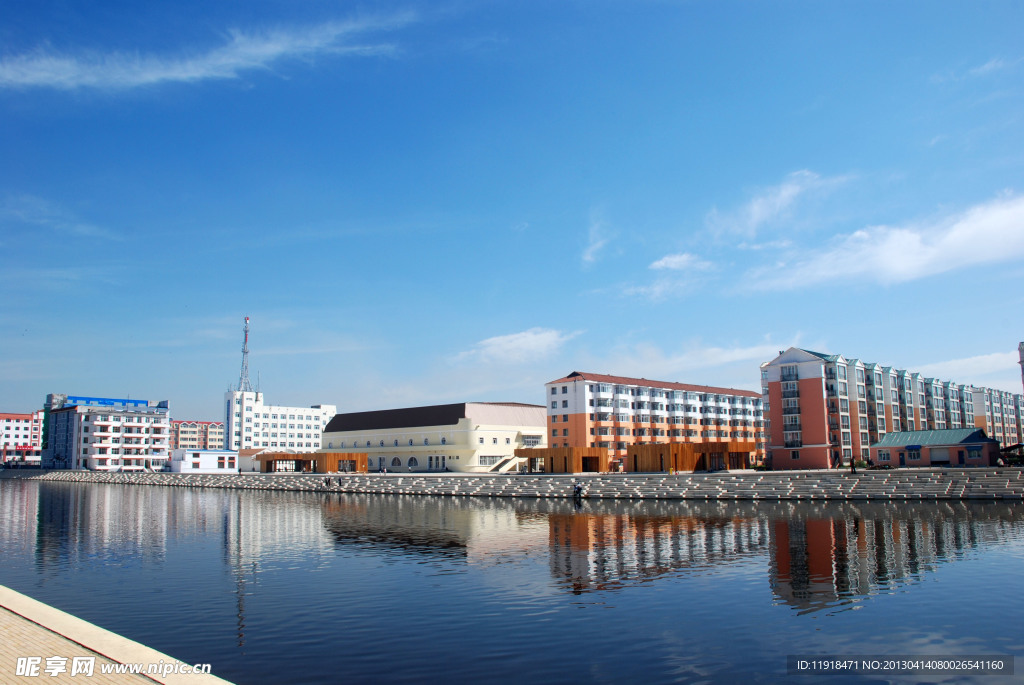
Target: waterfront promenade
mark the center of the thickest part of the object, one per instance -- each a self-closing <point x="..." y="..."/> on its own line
<point x="64" y="642"/>
<point x="894" y="485"/>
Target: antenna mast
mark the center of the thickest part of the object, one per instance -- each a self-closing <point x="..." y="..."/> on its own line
<point x="243" y="378"/>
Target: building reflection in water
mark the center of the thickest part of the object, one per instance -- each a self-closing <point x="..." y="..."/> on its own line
<point x="818" y="555"/>
<point x="604" y="548"/>
<point x="828" y="556"/>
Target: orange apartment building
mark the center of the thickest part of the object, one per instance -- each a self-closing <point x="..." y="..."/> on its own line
<point x="616" y="412"/>
<point x="197" y="435"/>
<point x="823" y="410"/>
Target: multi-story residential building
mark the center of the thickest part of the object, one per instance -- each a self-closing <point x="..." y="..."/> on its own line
<point x="613" y="412"/>
<point x="470" y="436"/>
<point x="197" y="435"/>
<point x="825" y="409"/>
<point x="999" y="413"/>
<point x="21" y="437"/>
<point x="249" y="423"/>
<point x="105" y="434"/>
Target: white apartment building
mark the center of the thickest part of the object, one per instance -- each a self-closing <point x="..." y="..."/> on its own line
<point x="105" y="434"/>
<point x="251" y="424"/>
<point x="21" y="437"/>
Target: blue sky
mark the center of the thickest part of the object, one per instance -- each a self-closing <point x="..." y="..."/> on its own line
<point x="419" y="203"/>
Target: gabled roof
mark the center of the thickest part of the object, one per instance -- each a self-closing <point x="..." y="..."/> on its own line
<point x="671" y="385"/>
<point x="436" y="415"/>
<point x="822" y="355"/>
<point x="949" y="436"/>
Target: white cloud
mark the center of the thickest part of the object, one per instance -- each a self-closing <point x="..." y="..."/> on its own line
<point x="242" y="51"/>
<point x="598" y="236"/>
<point x="35" y="211"/>
<point x="769" y="205"/>
<point x="985" y="234"/>
<point x="737" y="366"/>
<point x="969" y="368"/>
<point x="994" y="64"/>
<point x="678" y="262"/>
<point x="527" y="346"/>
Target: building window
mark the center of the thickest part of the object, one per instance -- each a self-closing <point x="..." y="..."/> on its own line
<point x="565" y="432"/>
<point x="554" y="391"/>
<point x="883" y="455"/>
<point x="795" y="454"/>
<point x="443" y="441"/>
<point x="565" y="389"/>
<point x="396" y="462"/>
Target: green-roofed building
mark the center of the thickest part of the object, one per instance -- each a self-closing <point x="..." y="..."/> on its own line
<point x="950" y="447"/>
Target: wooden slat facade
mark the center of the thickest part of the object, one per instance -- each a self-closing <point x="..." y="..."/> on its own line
<point x="689" y="456"/>
<point x="568" y="459"/>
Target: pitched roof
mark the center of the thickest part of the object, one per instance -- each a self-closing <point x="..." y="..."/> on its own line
<point x="412" y="417"/>
<point x="626" y="380"/>
<point x="949" y="436"/>
<point x="821" y="355"/>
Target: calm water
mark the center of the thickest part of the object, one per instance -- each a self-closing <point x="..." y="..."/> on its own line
<point x="320" y="588"/>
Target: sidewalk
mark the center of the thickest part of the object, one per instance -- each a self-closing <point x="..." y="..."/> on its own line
<point x="32" y="629"/>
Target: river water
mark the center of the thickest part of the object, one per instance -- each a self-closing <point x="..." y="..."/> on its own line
<point x="279" y="587"/>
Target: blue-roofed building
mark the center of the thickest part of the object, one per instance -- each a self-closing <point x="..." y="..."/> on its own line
<point x="949" y="447"/>
<point x="105" y="434"/>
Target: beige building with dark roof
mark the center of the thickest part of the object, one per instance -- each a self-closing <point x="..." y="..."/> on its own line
<point x="477" y="437"/>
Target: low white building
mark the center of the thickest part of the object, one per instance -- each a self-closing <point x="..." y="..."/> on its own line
<point x="203" y="461"/>
<point x="476" y="437"/>
<point x="251" y="424"/>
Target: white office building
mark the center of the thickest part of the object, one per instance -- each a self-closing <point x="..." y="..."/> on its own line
<point x="251" y="424"/>
<point x="105" y="434"/>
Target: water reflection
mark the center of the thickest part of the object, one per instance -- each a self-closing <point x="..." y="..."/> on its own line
<point x="828" y="556"/>
<point x="818" y="555"/>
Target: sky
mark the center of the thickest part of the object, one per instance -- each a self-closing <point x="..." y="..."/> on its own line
<point x="421" y="203"/>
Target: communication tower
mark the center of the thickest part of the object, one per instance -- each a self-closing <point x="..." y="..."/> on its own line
<point x="243" y="378"/>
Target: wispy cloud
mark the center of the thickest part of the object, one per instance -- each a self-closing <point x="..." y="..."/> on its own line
<point x="527" y="346"/>
<point x="968" y="369"/>
<point x="769" y="205"/>
<point x="598" y="236"/>
<point x="985" y="234"/>
<point x="676" y="279"/>
<point x="695" y="363"/>
<point x="994" y="65"/>
<point x="242" y="51"/>
<point x="35" y="211"/>
<point x="680" y="261"/>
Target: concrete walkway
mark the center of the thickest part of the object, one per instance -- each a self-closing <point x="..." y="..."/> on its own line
<point x="32" y="629"/>
<point x="897" y="484"/>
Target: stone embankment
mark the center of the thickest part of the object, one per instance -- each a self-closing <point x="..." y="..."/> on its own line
<point x="904" y="484"/>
